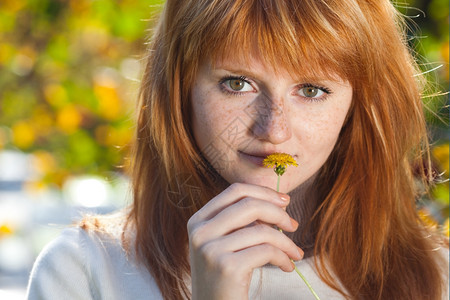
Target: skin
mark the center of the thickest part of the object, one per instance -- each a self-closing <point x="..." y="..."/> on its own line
<point x="237" y="121"/>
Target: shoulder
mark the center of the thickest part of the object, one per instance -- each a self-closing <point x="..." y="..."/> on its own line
<point x="68" y="245"/>
<point x="61" y="268"/>
<point x="83" y="263"/>
<point x="84" y="247"/>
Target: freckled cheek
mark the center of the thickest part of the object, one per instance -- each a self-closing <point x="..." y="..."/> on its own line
<point x="320" y="132"/>
<point x="209" y="119"/>
<point x="200" y="116"/>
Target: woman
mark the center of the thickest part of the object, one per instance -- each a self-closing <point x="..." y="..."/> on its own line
<point x="226" y="83"/>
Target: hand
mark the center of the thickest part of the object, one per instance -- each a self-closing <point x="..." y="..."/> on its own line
<point x="234" y="234"/>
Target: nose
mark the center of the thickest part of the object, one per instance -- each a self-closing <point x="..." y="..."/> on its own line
<point x="271" y="122"/>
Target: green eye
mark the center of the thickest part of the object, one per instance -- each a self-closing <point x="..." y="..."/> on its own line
<point x="310" y="91"/>
<point x="236" y="84"/>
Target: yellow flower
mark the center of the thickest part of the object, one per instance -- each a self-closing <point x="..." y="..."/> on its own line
<point x="279" y="161"/>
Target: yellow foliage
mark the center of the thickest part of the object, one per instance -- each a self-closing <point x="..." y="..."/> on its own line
<point x="79" y="6"/>
<point x="109" y="102"/>
<point x="110" y="136"/>
<point x="6" y="53"/>
<point x="12" y="6"/>
<point x="23" y="134"/>
<point x="55" y="95"/>
<point x="122" y="136"/>
<point x="68" y="119"/>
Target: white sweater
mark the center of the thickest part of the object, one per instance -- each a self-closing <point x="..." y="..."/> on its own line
<point x="82" y="265"/>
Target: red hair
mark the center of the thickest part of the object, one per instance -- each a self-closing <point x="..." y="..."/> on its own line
<point x="368" y="232"/>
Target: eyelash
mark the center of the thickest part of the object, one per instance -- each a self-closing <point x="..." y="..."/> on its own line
<point x="232" y="77"/>
<point x="326" y="90"/>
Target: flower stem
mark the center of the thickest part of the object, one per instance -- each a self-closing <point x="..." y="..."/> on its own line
<point x="295" y="267"/>
<point x="278" y="183"/>
<point x="305" y="281"/>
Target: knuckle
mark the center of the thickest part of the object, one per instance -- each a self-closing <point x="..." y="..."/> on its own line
<point x="197" y="235"/>
<point x="269" y="250"/>
<point x="248" y="204"/>
<point x="235" y="187"/>
<point x="261" y="228"/>
<point x="227" y="265"/>
<point x="209" y="251"/>
<point x="194" y="221"/>
<point x="222" y="262"/>
<point x="252" y="208"/>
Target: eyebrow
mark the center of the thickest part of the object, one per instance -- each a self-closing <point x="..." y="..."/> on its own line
<point x="245" y="72"/>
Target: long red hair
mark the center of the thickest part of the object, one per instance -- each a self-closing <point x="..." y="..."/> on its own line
<point x="370" y="243"/>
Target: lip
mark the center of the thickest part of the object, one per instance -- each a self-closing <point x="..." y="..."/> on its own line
<point x="256" y="157"/>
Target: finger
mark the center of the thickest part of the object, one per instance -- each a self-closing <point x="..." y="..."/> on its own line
<point x="237" y="216"/>
<point x="238" y="191"/>
<point x="257" y="256"/>
<point x="245" y="212"/>
<point x="253" y="236"/>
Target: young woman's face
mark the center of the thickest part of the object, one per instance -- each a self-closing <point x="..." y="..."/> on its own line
<point x="242" y="112"/>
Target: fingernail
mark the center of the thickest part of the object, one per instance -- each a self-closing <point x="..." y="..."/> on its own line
<point x="294" y="223"/>
<point x="284" y="197"/>
<point x="300" y="252"/>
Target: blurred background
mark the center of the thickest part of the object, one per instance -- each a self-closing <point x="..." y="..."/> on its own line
<point x="69" y="73"/>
